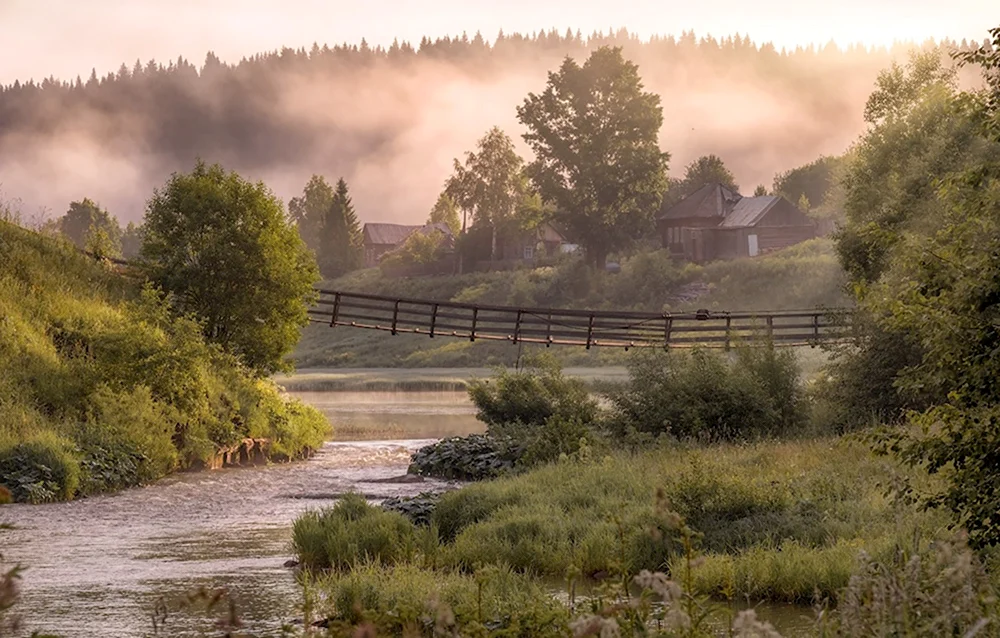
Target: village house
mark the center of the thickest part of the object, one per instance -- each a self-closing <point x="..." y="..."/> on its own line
<point x="716" y="222"/>
<point x="379" y="239"/>
<point x="522" y="248"/>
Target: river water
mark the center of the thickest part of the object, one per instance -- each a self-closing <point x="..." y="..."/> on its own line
<point x="100" y="566"/>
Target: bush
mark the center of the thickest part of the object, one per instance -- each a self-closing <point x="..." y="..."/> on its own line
<point x="40" y="470"/>
<point x="702" y="396"/>
<point x="352" y="533"/>
<point x="531" y="395"/>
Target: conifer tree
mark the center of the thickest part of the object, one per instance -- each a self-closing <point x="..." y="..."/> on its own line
<point x="340" y="238"/>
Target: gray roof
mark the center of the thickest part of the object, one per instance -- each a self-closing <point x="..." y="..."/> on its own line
<point x="711" y="200"/>
<point x="387" y="234"/>
<point x="748" y="211"/>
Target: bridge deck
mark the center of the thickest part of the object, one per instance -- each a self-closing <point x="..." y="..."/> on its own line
<point x="587" y="328"/>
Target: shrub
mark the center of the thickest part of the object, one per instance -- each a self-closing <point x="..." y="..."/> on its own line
<point x="702" y="396"/>
<point x="351" y="533"/>
<point x="125" y="440"/>
<point x="40" y="470"/>
<point x="530" y="396"/>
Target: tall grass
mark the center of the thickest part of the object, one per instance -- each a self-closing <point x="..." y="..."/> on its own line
<point x="778" y="521"/>
<point x="102" y="388"/>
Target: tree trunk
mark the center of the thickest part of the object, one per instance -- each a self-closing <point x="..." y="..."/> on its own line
<point x="493" y="246"/>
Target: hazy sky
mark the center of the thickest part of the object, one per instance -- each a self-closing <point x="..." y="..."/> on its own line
<point x="66" y="38"/>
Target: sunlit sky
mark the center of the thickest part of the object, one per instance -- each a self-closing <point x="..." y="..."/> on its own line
<point x="65" y="38"/>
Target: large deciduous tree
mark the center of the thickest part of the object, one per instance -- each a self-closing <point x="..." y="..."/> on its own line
<point x="224" y="250"/>
<point x="707" y="169"/>
<point x="939" y="283"/>
<point x="594" y="133"/>
<point x="490" y="185"/>
<point x="91" y="227"/>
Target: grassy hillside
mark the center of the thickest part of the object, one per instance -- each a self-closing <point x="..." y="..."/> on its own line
<point x="803" y="276"/>
<point x="100" y="388"/>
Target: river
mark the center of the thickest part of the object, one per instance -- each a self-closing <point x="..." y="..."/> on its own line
<point x="99" y="566"/>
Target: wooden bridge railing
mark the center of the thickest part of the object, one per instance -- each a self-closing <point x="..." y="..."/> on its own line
<point x="586" y="328"/>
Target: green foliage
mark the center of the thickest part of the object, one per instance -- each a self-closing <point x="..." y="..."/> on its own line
<point x="420" y="248"/>
<point x="353" y="533"/>
<point x="339" y="250"/>
<point x="445" y="211"/>
<point x="814" y="181"/>
<point x="859" y="386"/>
<point x="916" y="135"/>
<point x="707" y="169"/>
<point x="586" y="115"/>
<point x="131" y="241"/>
<point x="89" y="226"/>
<point x="40" y="469"/>
<point x="531" y="396"/>
<point x="308" y="212"/>
<point x="702" y="396"/>
<point x="404" y="600"/>
<point x="96" y="367"/>
<point x="943" y="591"/>
<point x="224" y="250"/>
<point x="490" y="186"/>
<point x="937" y="284"/>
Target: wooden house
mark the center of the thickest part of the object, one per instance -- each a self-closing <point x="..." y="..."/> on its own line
<point x="379" y="239"/>
<point x="716" y="222"/>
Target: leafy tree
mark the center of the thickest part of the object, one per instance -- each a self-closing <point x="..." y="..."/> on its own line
<point x="490" y="185"/>
<point x="760" y="191"/>
<point x="340" y="249"/>
<point x="224" y="249"/>
<point x="707" y="169"/>
<point x="814" y="181"/>
<point x="594" y="133"/>
<point x="309" y="211"/>
<point x="915" y="136"/>
<point x="445" y="212"/>
<point x="131" y="241"/>
<point x="418" y="249"/>
<point x="940" y="285"/>
<point x="86" y="219"/>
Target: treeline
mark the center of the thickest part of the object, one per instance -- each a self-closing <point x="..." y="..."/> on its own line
<point x="299" y="111"/>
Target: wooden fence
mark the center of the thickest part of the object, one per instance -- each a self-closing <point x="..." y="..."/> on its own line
<point x="578" y="327"/>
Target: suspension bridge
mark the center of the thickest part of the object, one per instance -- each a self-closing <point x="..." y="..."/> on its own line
<point x="586" y="328"/>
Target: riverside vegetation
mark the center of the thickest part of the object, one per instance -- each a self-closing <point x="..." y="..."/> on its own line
<point x="105" y="383"/>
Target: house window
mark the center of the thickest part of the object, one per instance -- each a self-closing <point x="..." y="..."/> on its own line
<point x="529" y="252"/>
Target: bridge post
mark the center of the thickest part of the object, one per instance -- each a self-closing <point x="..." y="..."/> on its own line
<point x="395" y="316"/>
<point x="434" y="316"/>
<point x="590" y="331"/>
<point x="336" y="310"/>
<point x="475" y="316"/>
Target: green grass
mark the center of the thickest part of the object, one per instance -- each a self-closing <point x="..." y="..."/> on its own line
<point x="102" y="388"/>
<point x="802" y="276"/>
<point x="779" y="521"/>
